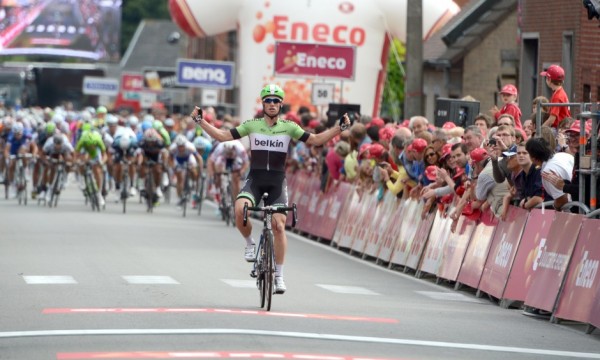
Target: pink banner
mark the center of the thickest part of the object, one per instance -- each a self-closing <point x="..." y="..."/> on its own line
<point x="298" y="182"/>
<point x="479" y="248"/>
<point x="410" y="224"/>
<point x="379" y="225"/>
<point x="320" y="60"/>
<point x="438" y="236"/>
<point x="351" y="221"/>
<point x="519" y="281"/>
<point x="308" y="203"/>
<point x="551" y="260"/>
<point x="368" y="214"/>
<point x="582" y="287"/>
<point x="392" y="231"/>
<point x="328" y="213"/>
<point x="345" y="214"/>
<point x="502" y="253"/>
<point x="455" y="249"/>
<point x="418" y="245"/>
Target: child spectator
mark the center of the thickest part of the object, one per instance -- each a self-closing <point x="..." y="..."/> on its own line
<point x="555" y="75"/>
<point x="509" y="96"/>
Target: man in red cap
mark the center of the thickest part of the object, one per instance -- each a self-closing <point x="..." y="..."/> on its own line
<point x="486" y="189"/>
<point x="509" y="96"/>
<point x="555" y="76"/>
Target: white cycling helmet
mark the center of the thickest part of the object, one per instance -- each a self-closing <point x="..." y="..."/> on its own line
<point x="58" y="118"/>
<point x="180" y="140"/>
<point x="201" y="143"/>
<point x="111" y="119"/>
<point x="18" y="128"/>
<point x="148" y="117"/>
<point x="228" y="146"/>
<point x="124" y="142"/>
<point x="133" y="120"/>
<point x="169" y="122"/>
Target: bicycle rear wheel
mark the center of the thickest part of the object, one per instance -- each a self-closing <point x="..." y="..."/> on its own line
<point x="269" y="266"/>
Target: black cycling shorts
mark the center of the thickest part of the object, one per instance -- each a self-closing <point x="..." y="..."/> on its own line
<point x="259" y="182"/>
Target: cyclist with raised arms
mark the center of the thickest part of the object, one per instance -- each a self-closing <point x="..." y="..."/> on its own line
<point x="270" y="137"/>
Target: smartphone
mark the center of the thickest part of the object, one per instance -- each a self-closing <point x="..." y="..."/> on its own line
<point x="492" y="142"/>
<point x="200" y="114"/>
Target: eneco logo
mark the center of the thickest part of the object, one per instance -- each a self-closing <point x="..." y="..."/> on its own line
<point x="503" y="252"/>
<point x="283" y="29"/>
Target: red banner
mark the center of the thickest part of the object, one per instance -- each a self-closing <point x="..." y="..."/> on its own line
<point x="132" y="82"/>
<point x="314" y="60"/>
<point x="479" y="248"/>
<point x="581" y="290"/>
<point x="455" y="248"/>
<point x="502" y="253"/>
<point x="551" y="260"/>
<point x="538" y="227"/>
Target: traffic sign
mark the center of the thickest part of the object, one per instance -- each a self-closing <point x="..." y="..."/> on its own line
<point x="322" y="93"/>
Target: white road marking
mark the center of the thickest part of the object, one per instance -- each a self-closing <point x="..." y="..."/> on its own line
<point x="290" y="334"/>
<point x="39" y="280"/>
<point x="248" y="284"/>
<point x="150" y="280"/>
<point x="447" y="296"/>
<point x="354" y="290"/>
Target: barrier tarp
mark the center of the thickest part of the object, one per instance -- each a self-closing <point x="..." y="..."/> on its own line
<point x="478" y="250"/>
<point x="418" y="245"/>
<point x="410" y="224"/>
<point x="503" y="251"/>
<point x="455" y="249"/>
<point x="582" y="286"/>
<point x="438" y="236"/>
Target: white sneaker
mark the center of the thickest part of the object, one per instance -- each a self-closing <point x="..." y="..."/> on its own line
<point x="159" y="192"/>
<point x="101" y="201"/>
<point x="42" y="195"/>
<point x="132" y="191"/>
<point x="48" y="196"/>
<point x="279" y="285"/>
<point x="249" y="253"/>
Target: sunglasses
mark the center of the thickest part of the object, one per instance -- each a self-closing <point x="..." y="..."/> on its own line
<point x="272" y="101"/>
<point x="430" y="154"/>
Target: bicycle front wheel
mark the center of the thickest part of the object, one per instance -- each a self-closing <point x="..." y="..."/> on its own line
<point x="269" y="267"/>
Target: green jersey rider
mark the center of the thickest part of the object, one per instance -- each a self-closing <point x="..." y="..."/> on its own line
<point x="270" y="137"/>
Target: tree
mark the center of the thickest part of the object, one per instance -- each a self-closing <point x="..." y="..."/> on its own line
<point x="393" y="91"/>
<point x="134" y="11"/>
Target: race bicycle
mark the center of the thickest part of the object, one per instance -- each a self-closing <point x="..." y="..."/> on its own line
<point x="57" y="182"/>
<point x="90" y="190"/>
<point x="226" y="203"/>
<point x="264" y="264"/>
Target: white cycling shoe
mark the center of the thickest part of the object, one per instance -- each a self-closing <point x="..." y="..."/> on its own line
<point x="279" y="285"/>
<point x="249" y="254"/>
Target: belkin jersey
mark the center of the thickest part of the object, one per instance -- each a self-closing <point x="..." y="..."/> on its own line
<point x="269" y="145"/>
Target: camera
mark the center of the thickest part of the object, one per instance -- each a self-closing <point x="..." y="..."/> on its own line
<point x="492" y="142"/>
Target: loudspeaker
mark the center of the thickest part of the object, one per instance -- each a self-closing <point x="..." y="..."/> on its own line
<point x="460" y="112"/>
<point x="336" y="111"/>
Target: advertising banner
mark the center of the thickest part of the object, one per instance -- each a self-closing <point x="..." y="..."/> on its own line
<point x="478" y="250"/>
<point x="392" y="231"/>
<point x="132" y="82"/>
<point x="100" y="86"/>
<point x="368" y="213"/>
<point x="160" y="79"/>
<point x="582" y="288"/>
<point x="260" y="25"/>
<point x="502" y="253"/>
<point x="438" y="236"/>
<point x="312" y="191"/>
<point x="455" y="248"/>
<point x="551" y="259"/>
<point x="420" y="241"/>
<point x="350" y="221"/>
<point x="317" y="60"/>
<point x="410" y="224"/>
<point x="380" y="224"/>
<point x="328" y="214"/>
<point x="203" y="73"/>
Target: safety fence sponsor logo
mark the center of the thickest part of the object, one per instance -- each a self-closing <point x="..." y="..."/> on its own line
<point x="504" y="252"/>
<point x="588" y="269"/>
<point x="549" y="260"/>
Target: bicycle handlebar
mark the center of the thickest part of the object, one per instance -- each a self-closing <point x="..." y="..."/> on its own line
<point x="271" y="209"/>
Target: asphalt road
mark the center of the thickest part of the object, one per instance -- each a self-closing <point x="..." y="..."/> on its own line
<point x="82" y="285"/>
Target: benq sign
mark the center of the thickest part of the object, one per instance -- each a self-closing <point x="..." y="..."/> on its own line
<point x="215" y="74"/>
